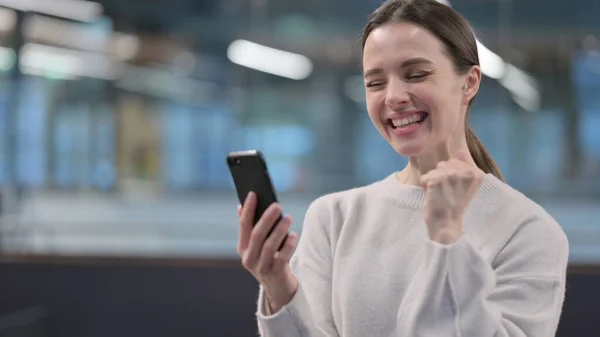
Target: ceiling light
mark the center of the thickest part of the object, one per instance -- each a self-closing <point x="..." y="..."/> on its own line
<point x="269" y="60"/>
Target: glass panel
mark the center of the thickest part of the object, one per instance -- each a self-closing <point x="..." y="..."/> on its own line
<point x="130" y="118"/>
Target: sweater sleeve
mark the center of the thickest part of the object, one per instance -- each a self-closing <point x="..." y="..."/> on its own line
<point x="309" y="312"/>
<point x="456" y="292"/>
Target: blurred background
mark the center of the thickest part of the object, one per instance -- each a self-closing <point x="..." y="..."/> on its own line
<point x="117" y="210"/>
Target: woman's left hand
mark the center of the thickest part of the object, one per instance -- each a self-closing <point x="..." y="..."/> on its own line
<point x="448" y="190"/>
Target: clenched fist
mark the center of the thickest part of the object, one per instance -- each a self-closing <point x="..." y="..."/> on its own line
<point x="448" y="190"/>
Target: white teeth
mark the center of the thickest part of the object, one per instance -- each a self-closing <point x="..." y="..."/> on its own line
<point x="408" y="120"/>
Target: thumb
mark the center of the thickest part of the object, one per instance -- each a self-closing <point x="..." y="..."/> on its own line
<point x="462" y="155"/>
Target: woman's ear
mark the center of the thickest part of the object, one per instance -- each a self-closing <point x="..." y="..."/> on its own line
<point x="471" y="86"/>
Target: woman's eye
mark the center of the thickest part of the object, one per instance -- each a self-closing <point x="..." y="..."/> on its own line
<point x="417" y="77"/>
<point x="373" y="84"/>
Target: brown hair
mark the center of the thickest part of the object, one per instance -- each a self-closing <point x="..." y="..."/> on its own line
<point x="457" y="36"/>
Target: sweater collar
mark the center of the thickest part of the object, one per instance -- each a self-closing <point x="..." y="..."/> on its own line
<point x="414" y="196"/>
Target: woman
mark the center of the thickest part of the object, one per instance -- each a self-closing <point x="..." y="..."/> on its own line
<point x="443" y="247"/>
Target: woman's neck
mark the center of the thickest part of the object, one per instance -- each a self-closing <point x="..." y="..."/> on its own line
<point x="423" y="163"/>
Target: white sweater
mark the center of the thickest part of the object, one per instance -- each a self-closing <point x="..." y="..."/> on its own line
<point x="366" y="267"/>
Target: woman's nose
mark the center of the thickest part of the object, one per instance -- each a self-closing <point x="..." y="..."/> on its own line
<point x="396" y="96"/>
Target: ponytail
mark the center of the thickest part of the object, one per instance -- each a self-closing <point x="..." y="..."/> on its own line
<point x="481" y="156"/>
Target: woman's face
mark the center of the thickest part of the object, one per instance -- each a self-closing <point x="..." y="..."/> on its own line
<point x="415" y="98"/>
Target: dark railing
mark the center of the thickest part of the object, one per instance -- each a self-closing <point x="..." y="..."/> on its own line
<point x="86" y="296"/>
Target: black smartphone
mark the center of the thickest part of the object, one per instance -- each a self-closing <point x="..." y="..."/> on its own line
<point x="250" y="173"/>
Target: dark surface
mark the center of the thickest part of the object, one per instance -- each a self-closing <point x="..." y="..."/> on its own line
<point x="109" y="300"/>
<point x="131" y="299"/>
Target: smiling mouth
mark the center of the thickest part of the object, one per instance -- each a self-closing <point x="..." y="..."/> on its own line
<point x="417" y="118"/>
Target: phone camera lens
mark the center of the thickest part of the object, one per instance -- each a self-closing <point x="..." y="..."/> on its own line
<point x="237" y="161"/>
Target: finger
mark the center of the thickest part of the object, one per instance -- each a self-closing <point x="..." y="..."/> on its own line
<point x="474" y="178"/>
<point x="239" y="211"/>
<point x="431" y="176"/>
<point x="466" y="172"/>
<point x="452" y="175"/>
<point x="273" y="242"/>
<point x="434" y="180"/>
<point x="426" y="177"/>
<point x="442" y="164"/>
<point x="449" y="183"/>
<point x="283" y="256"/>
<point x="261" y="231"/>
<point x="246" y="216"/>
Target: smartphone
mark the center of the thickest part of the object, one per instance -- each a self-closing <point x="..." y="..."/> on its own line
<point x="250" y="173"/>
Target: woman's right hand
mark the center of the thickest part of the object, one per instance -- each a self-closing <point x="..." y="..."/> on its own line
<point x="260" y="254"/>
